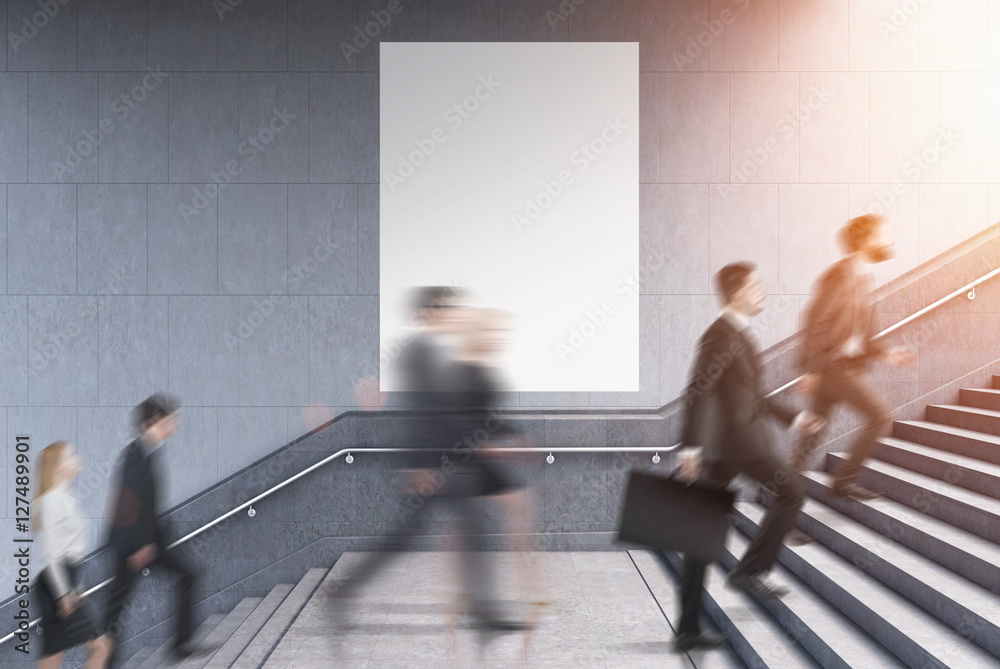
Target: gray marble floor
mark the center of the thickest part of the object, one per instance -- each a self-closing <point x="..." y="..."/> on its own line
<point x="599" y="613"/>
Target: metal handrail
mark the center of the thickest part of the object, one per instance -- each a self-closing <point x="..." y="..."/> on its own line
<point x="967" y="289"/>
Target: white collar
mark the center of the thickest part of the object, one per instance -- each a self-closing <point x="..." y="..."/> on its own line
<point x="735" y="318"/>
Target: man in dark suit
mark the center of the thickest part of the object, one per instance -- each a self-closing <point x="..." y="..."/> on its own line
<point x="838" y="345"/>
<point x="136" y="536"/>
<point x="724" y="395"/>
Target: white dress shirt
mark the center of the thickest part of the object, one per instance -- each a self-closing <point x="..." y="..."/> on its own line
<point x="62" y="536"/>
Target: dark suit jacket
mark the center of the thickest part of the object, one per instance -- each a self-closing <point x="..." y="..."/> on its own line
<point x="723" y="401"/>
<point x="133" y="523"/>
<point x="841" y="301"/>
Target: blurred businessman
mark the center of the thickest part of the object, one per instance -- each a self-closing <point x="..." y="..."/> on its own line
<point x="724" y="436"/>
<point x="838" y="344"/>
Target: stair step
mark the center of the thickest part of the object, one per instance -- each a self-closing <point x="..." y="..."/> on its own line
<point x="963" y="552"/>
<point x="241" y="638"/>
<point x="831" y="638"/>
<point x="969" y="418"/>
<point x="139" y="657"/>
<point x="257" y="651"/>
<point x="968" y="473"/>
<point x="964" y="606"/>
<point x="221" y="633"/>
<point x="971" y="444"/>
<point x="996" y="381"/>
<point x="963" y="508"/>
<point x="984" y="398"/>
<point x="161" y="657"/>
<point x="756" y="637"/>
<point x="663" y="586"/>
<point x="913" y="635"/>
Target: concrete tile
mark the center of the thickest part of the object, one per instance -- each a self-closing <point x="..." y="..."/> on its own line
<point x="14" y="130"/>
<point x="102" y="434"/>
<point x="813" y="37"/>
<point x="41" y="237"/>
<point x="668" y="36"/>
<point x="604" y="21"/>
<point x="342" y="334"/>
<point x="323" y="239"/>
<point x="968" y="127"/>
<point x="133" y="348"/>
<point x="253" y="36"/>
<point x="834" y="135"/>
<point x="764" y="137"/>
<point x="253" y="239"/>
<point x="343" y="127"/>
<point x="649" y="127"/>
<point x="183" y="35"/>
<point x="905" y="122"/>
<point x="462" y="20"/>
<point x="135" y="104"/>
<point x="63" y="130"/>
<point x="810" y="217"/>
<point x="112" y="239"/>
<point x="190" y="456"/>
<point x="111" y="35"/>
<point x="3" y="27"/>
<point x="3" y="239"/>
<point x="994" y="12"/>
<point x="743" y="225"/>
<point x="14" y="350"/>
<point x="183" y="241"/>
<point x="203" y="128"/>
<point x="683" y="319"/>
<point x="247" y="434"/>
<point x="46" y="39"/>
<point x="949" y="214"/>
<point x="368" y="238"/>
<point x="411" y="24"/>
<point x="883" y="36"/>
<point x="322" y="34"/>
<point x="204" y="335"/>
<point x="528" y="21"/>
<point x="62" y="350"/>
<point x="750" y="40"/>
<point x="274" y="128"/>
<point x="694" y="128"/>
<point x="274" y="368"/>
<point x="954" y="37"/>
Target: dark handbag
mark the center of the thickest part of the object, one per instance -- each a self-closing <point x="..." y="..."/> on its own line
<point x="667" y="514"/>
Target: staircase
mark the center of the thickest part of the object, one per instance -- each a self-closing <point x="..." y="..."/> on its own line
<point x="908" y="580"/>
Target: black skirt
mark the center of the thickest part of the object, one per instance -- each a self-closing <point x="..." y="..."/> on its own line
<point x="58" y="634"/>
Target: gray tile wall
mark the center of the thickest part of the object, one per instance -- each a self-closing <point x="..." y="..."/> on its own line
<point x="127" y="268"/>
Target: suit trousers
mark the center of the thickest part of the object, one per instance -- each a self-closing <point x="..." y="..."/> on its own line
<point x="847" y="382"/>
<point x="121" y="587"/>
<point x="788" y="489"/>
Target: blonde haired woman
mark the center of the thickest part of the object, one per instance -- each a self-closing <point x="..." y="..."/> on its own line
<point x="66" y="621"/>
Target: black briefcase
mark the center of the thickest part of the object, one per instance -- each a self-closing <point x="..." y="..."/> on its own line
<point x="668" y="514"/>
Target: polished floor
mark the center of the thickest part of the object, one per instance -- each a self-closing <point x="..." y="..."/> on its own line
<point x="600" y="613"/>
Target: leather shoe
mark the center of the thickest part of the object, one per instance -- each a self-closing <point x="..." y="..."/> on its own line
<point x="687" y="641"/>
<point x="756" y="585"/>
<point x="196" y="651"/>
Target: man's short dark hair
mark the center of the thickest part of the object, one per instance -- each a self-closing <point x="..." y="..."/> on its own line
<point x="732" y="277"/>
<point x="153" y="408"/>
<point x="435" y="297"/>
<point x="857" y="230"/>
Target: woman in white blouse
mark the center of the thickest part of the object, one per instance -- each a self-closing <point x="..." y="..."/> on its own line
<point x="66" y="619"/>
